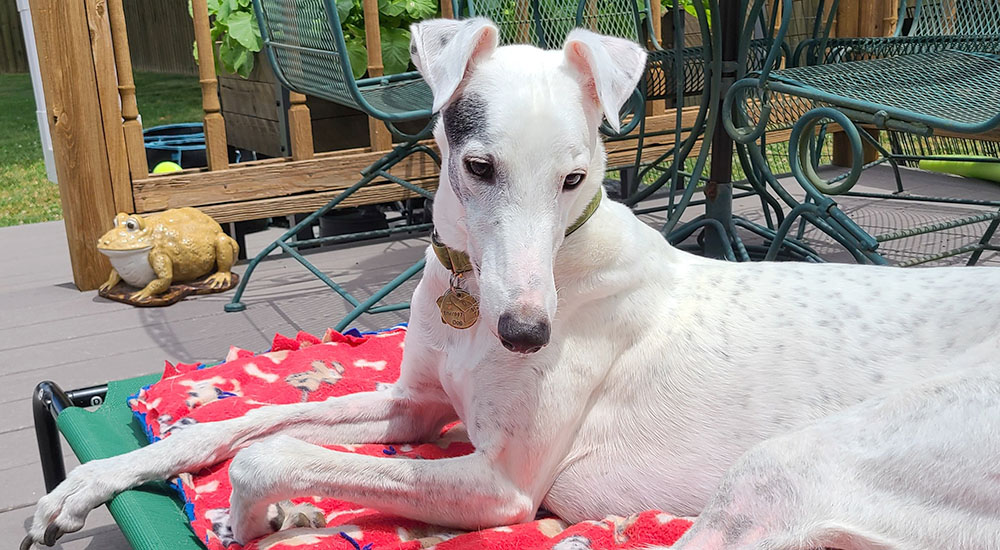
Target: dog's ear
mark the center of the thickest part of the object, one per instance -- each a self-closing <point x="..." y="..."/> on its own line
<point x="444" y="50"/>
<point x="609" y="69"/>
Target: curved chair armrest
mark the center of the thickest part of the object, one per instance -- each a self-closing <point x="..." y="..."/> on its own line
<point x="740" y="134"/>
<point x="637" y="106"/>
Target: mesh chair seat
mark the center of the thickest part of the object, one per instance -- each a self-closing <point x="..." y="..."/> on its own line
<point x="947" y="88"/>
<point x="305" y="44"/>
<point x="661" y="81"/>
<point x="399" y="97"/>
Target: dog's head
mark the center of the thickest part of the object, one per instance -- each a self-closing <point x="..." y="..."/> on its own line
<point x="521" y="155"/>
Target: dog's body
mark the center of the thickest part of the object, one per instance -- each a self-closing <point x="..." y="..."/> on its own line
<point x="668" y="366"/>
<point x="916" y="469"/>
<point x="637" y="384"/>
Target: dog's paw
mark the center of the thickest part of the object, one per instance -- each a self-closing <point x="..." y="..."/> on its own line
<point x="251" y="475"/>
<point x="285" y="515"/>
<point x="65" y="509"/>
<point x="262" y="474"/>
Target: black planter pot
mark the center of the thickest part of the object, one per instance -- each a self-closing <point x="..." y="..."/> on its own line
<point x="351" y="220"/>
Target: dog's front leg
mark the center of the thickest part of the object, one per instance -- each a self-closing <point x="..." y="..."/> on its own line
<point x="468" y="492"/>
<point x="372" y="417"/>
<point x="413" y="410"/>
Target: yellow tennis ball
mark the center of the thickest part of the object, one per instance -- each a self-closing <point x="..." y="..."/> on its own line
<point x="167" y="166"/>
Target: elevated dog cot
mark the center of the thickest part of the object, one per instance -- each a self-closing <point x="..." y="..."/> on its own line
<point x="151" y="517"/>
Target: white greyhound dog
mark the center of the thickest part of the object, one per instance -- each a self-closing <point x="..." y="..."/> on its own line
<point x="606" y="372"/>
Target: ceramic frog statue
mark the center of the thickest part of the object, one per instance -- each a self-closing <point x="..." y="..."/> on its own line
<point x="179" y="245"/>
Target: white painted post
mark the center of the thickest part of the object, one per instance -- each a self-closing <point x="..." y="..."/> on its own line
<point x="36" y="84"/>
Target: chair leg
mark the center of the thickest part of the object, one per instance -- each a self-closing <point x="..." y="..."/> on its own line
<point x="628" y="183"/>
<point x="818" y="210"/>
<point x="46" y="401"/>
<point x="984" y="242"/>
<point x="367" y="305"/>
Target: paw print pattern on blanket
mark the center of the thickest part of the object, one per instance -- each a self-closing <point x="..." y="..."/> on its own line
<point x="313" y="369"/>
<point x="205" y="391"/>
<point x="320" y="373"/>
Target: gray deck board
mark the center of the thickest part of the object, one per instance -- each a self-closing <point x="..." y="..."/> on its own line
<point x="49" y="330"/>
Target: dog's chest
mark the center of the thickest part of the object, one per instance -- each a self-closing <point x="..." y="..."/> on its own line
<point x="459" y="371"/>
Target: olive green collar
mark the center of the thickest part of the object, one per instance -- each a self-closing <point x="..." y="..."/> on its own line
<point x="458" y="262"/>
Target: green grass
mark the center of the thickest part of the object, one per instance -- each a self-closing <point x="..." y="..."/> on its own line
<point x="26" y="196"/>
<point x="168" y="98"/>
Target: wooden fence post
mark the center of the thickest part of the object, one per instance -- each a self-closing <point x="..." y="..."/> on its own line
<point x="523" y="19"/>
<point x="111" y="111"/>
<point x="215" y="127"/>
<point x="135" y="147"/>
<point x="13" y="56"/>
<point x="381" y="139"/>
<point x="299" y="127"/>
<point x="655" y="108"/>
<point x="890" y="16"/>
<point x="67" y="68"/>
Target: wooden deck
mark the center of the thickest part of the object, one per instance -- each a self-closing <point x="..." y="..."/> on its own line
<point x="49" y="330"/>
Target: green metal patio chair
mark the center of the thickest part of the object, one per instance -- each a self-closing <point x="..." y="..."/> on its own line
<point x="941" y="71"/>
<point x="304" y="43"/>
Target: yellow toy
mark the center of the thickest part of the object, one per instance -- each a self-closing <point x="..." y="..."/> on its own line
<point x="167" y="167"/>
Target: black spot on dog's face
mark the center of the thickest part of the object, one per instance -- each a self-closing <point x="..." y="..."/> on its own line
<point x="465" y="118"/>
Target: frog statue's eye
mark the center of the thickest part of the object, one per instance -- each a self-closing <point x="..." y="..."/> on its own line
<point x="132" y="224"/>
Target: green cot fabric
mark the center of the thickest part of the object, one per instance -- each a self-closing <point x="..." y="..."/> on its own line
<point x="152" y="517"/>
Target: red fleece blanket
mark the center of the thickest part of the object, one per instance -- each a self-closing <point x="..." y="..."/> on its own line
<point x="312" y="369"/>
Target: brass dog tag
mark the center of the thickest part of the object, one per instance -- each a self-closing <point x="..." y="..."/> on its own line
<point x="459" y="309"/>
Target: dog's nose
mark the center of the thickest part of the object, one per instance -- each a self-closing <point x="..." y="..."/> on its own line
<point x="523" y="335"/>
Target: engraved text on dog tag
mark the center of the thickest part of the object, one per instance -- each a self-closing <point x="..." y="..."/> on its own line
<point x="459" y="309"/>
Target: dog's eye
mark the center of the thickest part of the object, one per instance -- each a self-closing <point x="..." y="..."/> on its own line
<point x="573" y="181"/>
<point x="480" y="168"/>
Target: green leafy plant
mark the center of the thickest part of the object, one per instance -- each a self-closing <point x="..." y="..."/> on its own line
<point x="234" y="28"/>
<point x="395" y="17"/>
<point x="688" y="6"/>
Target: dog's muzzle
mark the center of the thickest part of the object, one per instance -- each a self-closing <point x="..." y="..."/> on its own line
<point x="523" y="335"/>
